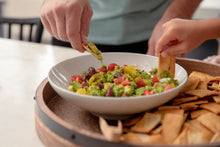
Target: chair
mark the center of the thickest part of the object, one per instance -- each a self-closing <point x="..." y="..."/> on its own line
<point x="58" y="42"/>
<point x="33" y="33"/>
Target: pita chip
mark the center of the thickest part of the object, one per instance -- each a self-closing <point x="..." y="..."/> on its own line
<point x="154" y="139"/>
<point x="147" y="123"/>
<point x="166" y="65"/>
<point x="216" y="98"/>
<point x="191" y="83"/>
<point x="197" y="133"/>
<point x="130" y="137"/>
<point x="171" y="126"/>
<point x="201" y="92"/>
<point x="197" y="113"/>
<point x="184" y="100"/>
<point x="215" y="138"/>
<point x="210" y="121"/>
<point x="213" y="107"/>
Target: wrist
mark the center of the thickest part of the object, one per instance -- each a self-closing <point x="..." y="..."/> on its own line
<point x="210" y="28"/>
<point x="181" y="9"/>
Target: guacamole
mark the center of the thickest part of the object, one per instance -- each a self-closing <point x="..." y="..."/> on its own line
<point x="119" y="81"/>
<point x="95" y="50"/>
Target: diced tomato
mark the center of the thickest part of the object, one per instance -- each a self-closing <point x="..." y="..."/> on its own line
<point x="148" y="92"/>
<point x="168" y="87"/>
<point x="101" y="70"/>
<point x="118" y="81"/>
<point x="140" y="82"/>
<point x="123" y="78"/>
<point x="122" y="68"/>
<point x="125" y="82"/>
<point x="112" y="66"/>
<point x="77" y="78"/>
<point x="155" y="79"/>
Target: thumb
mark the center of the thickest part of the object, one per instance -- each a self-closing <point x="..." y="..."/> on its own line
<point x="162" y="43"/>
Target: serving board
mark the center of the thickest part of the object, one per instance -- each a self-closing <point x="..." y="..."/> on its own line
<point x="61" y="124"/>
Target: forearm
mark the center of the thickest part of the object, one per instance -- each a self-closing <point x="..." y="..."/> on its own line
<point x="177" y="9"/>
<point x="181" y="9"/>
<point x="210" y="28"/>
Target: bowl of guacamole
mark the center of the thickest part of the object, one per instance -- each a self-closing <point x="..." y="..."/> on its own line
<point x="120" y="86"/>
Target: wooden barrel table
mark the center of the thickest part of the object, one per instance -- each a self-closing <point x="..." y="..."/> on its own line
<point x="61" y="124"/>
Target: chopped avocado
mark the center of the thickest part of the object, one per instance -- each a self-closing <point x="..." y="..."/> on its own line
<point x="173" y="82"/>
<point x="110" y="78"/>
<point x="103" y="66"/>
<point x="129" y="77"/>
<point x="132" y="83"/>
<point x="75" y="86"/>
<point x="159" y="87"/>
<point x="140" y="91"/>
<point x="118" y="90"/>
<point x="149" y="87"/>
<point x="144" y="75"/>
<point x="94" y="90"/>
<point x="106" y="85"/>
<point x="95" y="50"/>
<point x="115" y="71"/>
<point x="164" y="74"/>
<point x="153" y="71"/>
<point x="101" y="79"/>
<point x="104" y="92"/>
<point x="129" y="90"/>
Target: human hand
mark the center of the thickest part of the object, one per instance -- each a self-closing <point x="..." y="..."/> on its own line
<point x="68" y="20"/>
<point x="156" y="34"/>
<point x="213" y="59"/>
<point x="186" y="32"/>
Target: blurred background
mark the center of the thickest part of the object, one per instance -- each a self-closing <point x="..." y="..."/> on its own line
<point x="24" y="9"/>
<point x="31" y="8"/>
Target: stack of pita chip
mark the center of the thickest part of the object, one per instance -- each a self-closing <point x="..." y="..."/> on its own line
<point x="193" y="117"/>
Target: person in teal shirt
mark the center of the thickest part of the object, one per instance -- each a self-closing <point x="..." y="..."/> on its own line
<point x="113" y="25"/>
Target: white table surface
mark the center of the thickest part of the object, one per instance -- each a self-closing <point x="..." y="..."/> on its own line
<point x="23" y="66"/>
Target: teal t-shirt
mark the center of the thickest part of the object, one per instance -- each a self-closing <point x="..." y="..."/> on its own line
<point x="117" y="22"/>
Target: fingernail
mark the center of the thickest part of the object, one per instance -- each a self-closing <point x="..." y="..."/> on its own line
<point x="84" y="39"/>
<point x="164" y="54"/>
<point x="165" y="47"/>
<point x="82" y="50"/>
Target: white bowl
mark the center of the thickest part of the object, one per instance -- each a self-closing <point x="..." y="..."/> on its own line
<point x="111" y="107"/>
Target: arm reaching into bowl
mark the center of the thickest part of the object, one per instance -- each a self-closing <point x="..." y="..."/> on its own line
<point x="188" y="33"/>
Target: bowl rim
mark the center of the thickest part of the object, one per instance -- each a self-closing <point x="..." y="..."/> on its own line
<point x="114" y="98"/>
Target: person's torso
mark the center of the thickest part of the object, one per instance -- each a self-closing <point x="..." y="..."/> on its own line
<point x="124" y="21"/>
